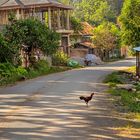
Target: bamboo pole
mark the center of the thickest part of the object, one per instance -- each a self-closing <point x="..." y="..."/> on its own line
<point x="58" y="19"/>
<point x="68" y="20"/>
<point x="49" y="18"/>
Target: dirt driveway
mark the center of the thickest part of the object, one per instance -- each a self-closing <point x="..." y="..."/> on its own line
<point x="48" y="108"/>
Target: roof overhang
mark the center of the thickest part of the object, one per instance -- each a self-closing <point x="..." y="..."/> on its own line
<point x="88" y="45"/>
<point x="35" y="6"/>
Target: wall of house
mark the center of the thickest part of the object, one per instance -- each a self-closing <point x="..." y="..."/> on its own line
<point x="78" y="52"/>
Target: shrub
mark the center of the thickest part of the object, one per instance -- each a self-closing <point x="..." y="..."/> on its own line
<point x="130" y="100"/>
<point x="21" y="71"/>
<point x="6" y="53"/>
<point x="33" y="34"/>
<point x="41" y="66"/>
<point x="115" y="77"/>
<point x="7" y="69"/>
<point x="10" y="74"/>
<point x="76" y="24"/>
<point x="59" y="59"/>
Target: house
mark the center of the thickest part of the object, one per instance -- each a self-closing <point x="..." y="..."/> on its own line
<point x="82" y="41"/>
<point x="55" y="14"/>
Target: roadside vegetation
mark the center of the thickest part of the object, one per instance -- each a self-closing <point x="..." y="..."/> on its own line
<point x="10" y="74"/>
<point x="20" y="41"/>
<point x="125" y="87"/>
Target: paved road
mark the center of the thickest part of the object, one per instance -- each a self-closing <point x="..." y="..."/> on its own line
<point x="48" y="108"/>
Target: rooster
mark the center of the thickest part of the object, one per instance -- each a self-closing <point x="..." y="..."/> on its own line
<point x="87" y="99"/>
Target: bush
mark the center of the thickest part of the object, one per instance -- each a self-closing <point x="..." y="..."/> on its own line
<point x="10" y="74"/>
<point x="33" y="34"/>
<point x="59" y="59"/>
<point x="7" y="69"/>
<point x="6" y="53"/>
<point x="21" y="71"/>
<point x="115" y="77"/>
<point x="41" y="66"/>
<point x="130" y="100"/>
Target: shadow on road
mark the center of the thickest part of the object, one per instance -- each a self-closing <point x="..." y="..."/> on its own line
<point x="55" y="112"/>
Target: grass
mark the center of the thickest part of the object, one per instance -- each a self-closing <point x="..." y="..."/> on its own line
<point x="128" y="100"/>
<point x="129" y="131"/>
<point x="116" y="78"/>
<point x="132" y="69"/>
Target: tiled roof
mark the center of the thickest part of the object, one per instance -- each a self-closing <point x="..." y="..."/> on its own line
<point x="87" y="29"/>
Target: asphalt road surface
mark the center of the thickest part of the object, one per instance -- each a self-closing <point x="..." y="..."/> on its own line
<point x="49" y="108"/>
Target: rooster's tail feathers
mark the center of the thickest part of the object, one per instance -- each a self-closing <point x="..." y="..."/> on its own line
<point x="82" y="98"/>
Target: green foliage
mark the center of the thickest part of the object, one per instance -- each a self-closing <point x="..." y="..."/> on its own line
<point x="39" y="68"/>
<point x="115" y="78"/>
<point x="131" y="101"/>
<point x="130" y="21"/>
<point x="112" y="85"/>
<point x="132" y="69"/>
<point x="137" y="87"/>
<point x="6" y="53"/>
<point x="76" y="24"/>
<point x="32" y="33"/>
<point x="42" y="66"/>
<point x="6" y="69"/>
<point x="21" y="71"/>
<point x="10" y="74"/>
<point x="106" y="38"/>
<point x="60" y="59"/>
<point x="94" y="12"/>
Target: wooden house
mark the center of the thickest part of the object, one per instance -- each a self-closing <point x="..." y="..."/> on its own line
<point x="51" y="12"/>
<point x="82" y="41"/>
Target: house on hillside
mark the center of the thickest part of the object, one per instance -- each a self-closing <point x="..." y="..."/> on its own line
<point x="82" y="44"/>
<point x="52" y="12"/>
<point x="82" y="41"/>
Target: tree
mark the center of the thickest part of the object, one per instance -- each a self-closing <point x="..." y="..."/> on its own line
<point x="76" y="24"/>
<point x="130" y="23"/>
<point x="106" y="38"/>
<point x="93" y="11"/>
<point x="6" y="53"/>
<point x="31" y="33"/>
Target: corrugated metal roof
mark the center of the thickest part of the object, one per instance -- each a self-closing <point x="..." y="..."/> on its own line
<point x="33" y="2"/>
<point x="27" y="3"/>
<point x="137" y="49"/>
<point x="9" y="3"/>
<point x="2" y="1"/>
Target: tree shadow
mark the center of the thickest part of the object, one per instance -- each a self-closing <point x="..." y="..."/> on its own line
<point x="49" y="108"/>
